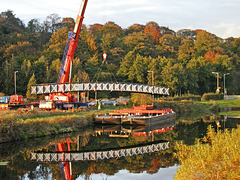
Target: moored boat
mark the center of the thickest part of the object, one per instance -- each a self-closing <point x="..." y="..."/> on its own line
<point x="141" y="115"/>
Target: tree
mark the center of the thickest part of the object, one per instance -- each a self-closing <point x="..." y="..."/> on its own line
<point x="40" y="69"/>
<point x="68" y="22"/>
<point x="199" y="76"/>
<point x="10" y="24"/>
<point x="173" y="77"/>
<point x="204" y="42"/>
<point x="53" y="71"/>
<point x="56" y="45"/>
<point x="139" y="44"/>
<point x="91" y="66"/>
<point x="126" y="64"/>
<point x="135" y="28"/>
<point x="186" y="50"/>
<point x="186" y="33"/>
<point x="112" y="28"/>
<point x="113" y="46"/>
<point x="54" y="22"/>
<point x="153" y="33"/>
<point x="156" y="65"/>
<point x="34" y="26"/>
<point x="141" y="99"/>
<point x="31" y="82"/>
<point x="168" y="45"/>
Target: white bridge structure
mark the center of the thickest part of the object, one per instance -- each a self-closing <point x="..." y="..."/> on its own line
<point x="97" y="155"/>
<point x="98" y="86"/>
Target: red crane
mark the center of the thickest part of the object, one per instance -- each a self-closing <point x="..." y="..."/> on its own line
<point x="66" y="66"/>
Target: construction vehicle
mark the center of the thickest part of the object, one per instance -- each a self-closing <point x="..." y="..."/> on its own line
<point x="67" y="100"/>
<point x="14" y="102"/>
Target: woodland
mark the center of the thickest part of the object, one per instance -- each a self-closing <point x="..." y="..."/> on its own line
<point x="182" y="60"/>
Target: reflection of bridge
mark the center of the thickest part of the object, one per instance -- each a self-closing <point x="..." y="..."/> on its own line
<point x="120" y="87"/>
<point x="96" y="155"/>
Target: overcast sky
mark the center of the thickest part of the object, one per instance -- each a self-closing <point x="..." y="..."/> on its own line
<point x="220" y="17"/>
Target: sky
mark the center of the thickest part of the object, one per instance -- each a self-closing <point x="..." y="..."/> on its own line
<point x="219" y="17"/>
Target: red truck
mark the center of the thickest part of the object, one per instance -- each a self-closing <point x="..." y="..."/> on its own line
<point x="15" y="102"/>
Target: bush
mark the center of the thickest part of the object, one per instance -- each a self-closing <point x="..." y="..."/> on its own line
<point x="212" y="96"/>
<point x="183" y="97"/>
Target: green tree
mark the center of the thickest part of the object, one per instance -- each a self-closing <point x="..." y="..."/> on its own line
<point x="141" y="99"/>
<point x="168" y="45"/>
<point x="31" y="82"/>
<point x="186" y="50"/>
<point x="135" y="28"/>
<point x="92" y="66"/>
<point x="40" y="70"/>
<point x="139" y="43"/>
<point x="53" y="71"/>
<point x="56" y="45"/>
<point x="205" y="42"/>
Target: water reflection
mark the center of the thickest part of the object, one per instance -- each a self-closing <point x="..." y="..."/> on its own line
<point x="16" y="160"/>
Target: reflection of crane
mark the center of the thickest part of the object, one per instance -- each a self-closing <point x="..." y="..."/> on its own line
<point x="65" y="167"/>
<point x="66" y="66"/>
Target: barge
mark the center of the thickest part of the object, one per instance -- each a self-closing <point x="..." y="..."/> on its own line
<point x="139" y="115"/>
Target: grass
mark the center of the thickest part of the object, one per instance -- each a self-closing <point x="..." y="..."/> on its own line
<point x="223" y="103"/>
<point x="21" y="124"/>
<point x="26" y="123"/>
<point x="230" y="113"/>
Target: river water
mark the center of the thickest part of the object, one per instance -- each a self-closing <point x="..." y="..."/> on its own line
<point x="22" y="160"/>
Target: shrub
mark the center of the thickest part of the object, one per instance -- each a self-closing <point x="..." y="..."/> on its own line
<point x="183" y="97"/>
<point x="212" y="96"/>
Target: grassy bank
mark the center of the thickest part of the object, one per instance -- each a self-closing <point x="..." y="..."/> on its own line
<point x="223" y="103"/>
<point x="21" y="124"/>
<point x="192" y="108"/>
<point x="216" y="156"/>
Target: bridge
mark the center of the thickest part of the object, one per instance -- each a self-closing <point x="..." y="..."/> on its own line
<point x="98" y="155"/>
<point x="98" y="86"/>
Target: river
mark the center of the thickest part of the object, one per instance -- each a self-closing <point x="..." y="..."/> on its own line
<point x="143" y="152"/>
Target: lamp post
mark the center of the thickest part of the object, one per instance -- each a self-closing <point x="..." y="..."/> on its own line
<point x="225" y="90"/>
<point x="15" y="81"/>
<point x="217" y="91"/>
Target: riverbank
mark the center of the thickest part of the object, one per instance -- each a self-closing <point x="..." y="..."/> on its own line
<point x="24" y="124"/>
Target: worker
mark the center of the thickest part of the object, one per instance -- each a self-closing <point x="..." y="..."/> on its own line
<point x="99" y="104"/>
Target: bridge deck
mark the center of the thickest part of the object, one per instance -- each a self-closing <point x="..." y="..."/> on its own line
<point x="76" y="87"/>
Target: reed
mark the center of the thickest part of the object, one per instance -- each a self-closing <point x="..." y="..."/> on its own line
<point x="216" y="156"/>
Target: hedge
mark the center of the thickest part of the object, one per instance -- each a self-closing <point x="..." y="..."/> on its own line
<point x="212" y="96"/>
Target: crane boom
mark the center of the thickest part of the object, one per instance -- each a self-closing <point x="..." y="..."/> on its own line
<point x="71" y="46"/>
<point x="66" y="100"/>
